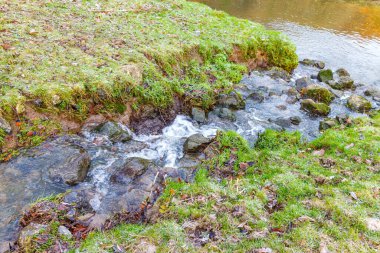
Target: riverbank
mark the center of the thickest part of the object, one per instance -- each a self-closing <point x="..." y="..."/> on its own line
<point x="117" y="58"/>
<point x="282" y="195"/>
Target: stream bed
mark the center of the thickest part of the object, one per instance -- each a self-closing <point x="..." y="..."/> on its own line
<point x="120" y="173"/>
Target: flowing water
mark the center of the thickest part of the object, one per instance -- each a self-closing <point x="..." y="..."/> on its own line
<point x="341" y="33"/>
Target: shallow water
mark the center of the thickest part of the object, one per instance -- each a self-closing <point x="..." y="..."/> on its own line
<point x="340" y="33"/>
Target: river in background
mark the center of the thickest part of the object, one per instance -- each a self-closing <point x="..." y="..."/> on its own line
<point x="340" y="33"/>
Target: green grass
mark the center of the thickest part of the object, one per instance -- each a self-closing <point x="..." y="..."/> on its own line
<point x="285" y="200"/>
<point x="75" y="54"/>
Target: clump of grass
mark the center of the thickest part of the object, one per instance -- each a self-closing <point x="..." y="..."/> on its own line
<point x="289" y="200"/>
<point x="118" y="51"/>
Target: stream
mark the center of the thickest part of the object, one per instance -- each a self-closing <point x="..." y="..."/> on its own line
<point x="310" y="24"/>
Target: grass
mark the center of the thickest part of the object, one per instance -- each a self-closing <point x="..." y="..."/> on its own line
<point x="70" y="55"/>
<point x="281" y="194"/>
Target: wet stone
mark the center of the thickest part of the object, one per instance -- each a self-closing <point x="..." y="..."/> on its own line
<point x="303" y="83"/>
<point x="318" y="94"/>
<point x="257" y="97"/>
<point x="196" y="143"/>
<point x="315" y="108"/>
<point x="327" y="123"/>
<point x="325" y="75"/>
<point x="232" y="100"/>
<point x="344" y="83"/>
<point x="358" y="103"/>
<point x="313" y="63"/>
<point x="295" y="120"/>
<point x="342" y="72"/>
<point x="114" y="132"/>
<point x="198" y="115"/>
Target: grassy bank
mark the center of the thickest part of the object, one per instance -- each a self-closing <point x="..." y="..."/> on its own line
<point x="283" y="194"/>
<point x="72" y="56"/>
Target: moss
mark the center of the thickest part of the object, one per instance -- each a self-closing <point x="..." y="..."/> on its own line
<point x="117" y="51"/>
<point x="319" y="94"/>
<point x="315" y="108"/>
<point x="288" y="200"/>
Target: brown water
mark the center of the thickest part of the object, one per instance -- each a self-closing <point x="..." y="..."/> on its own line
<point x="340" y="33"/>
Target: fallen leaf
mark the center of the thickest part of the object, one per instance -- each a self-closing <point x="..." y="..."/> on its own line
<point x="320" y="152"/>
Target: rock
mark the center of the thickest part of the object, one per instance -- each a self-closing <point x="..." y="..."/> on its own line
<point x="38" y="103"/>
<point x="314" y="63"/>
<point x="292" y="92"/>
<point x="132" y="168"/>
<point x="196" y="143"/>
<point x="373" y="224"/>
<point x="358" y="103"/>
<point x="342" y="72"/>
<point x="315" y="108"/>
<point x="232" y="100"/>
<point x="257" y="97"/>
<point x="114" y="132"/>
<point x="225" y="113"/>
<point x="149" y="126"/>
<point x="318" y="94"/>
<point x="303" y="83"/>
<point x="344" y="83"/>
<point x="372" y="92"/>
<point x="292" y="99"/>
<point x="199" y="115"/>
<point x="73" y="169"/>
<point x="65" y="232"/>
<point x="295" y="120"/>
<point x="282" y="122"/>
<point x="56" y="100"/>
<point x="28" y="233"/>
<point x="325" y="75"/>
<point x="342" y="118"/>
<point x="277" y="73"/>
<point x="327" y="123"/>
<point x="5" y="126"/>
<point x="314" y="76"/>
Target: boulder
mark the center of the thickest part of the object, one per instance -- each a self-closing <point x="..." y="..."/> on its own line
<point x="315" y="108"/>
<point x="5" y="126"/>
<point x="303" y="83"/>
<point x="278" y="73"/>
<point x="282" y="122"/>
<point x="318" y="94"/>
<point x="325" y="75"/>
<point x="196" y="143"/>
<point x="313" y="63"/>
<point x="327" y="123"/>
<point x="232" y="100"/>
<point x="342" y="72"/>
<point x="114" y="132"/>
<point x="359" y="104"/>
<point x="198" y="115"/>
<point x="344" y="83"/>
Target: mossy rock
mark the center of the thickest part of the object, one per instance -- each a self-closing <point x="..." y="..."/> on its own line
<point x="318" y="94"/>
<point x="314" y="108"/>
<point x="344" y="83"/>
<point x="327" y="123"/>
<point x="325" y="75"/>
<point x="359" y="104"/>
